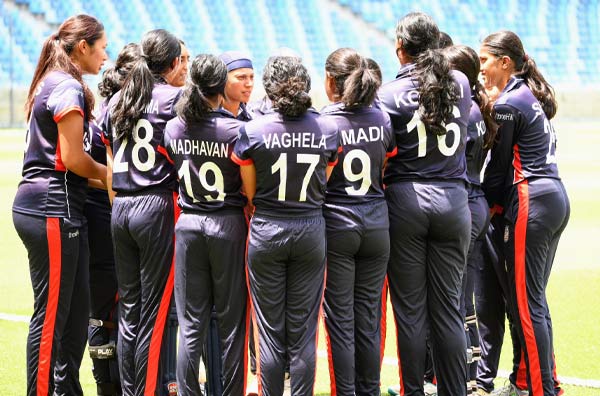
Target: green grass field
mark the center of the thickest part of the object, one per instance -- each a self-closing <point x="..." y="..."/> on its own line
<point x="573" y="292"/>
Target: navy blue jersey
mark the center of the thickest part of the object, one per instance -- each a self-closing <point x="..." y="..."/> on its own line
<point x="48" y="189"/>
<point x="366" y="139"/>
<point x="421" y="153"/>
<point x="527" y="142"/>
<point x="290" y="155"/>
<point x="98" y="197"/>
<point x="475" y="152"/>
<point x="208" y="179"/>
<point x="140" y="163"/>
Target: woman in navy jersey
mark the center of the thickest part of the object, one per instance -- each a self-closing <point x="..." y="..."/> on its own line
<point x="211" y="231"/>
<point x="430" y="223"/>
<point x="356" y="219"/>
<point x="48" y="207"/>
<point x="144" y="209"/>
<point x="285" y="157"/>
<point x="480" y="135"/>
<point x="522" y="184"/>
<point x="102" y="331"/>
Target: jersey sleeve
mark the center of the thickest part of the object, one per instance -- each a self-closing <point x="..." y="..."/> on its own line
<point x="67" y="96"/>
<point x="390" y="149"/>
<point x="242" y="151"/>
<point x="498" y="168"/>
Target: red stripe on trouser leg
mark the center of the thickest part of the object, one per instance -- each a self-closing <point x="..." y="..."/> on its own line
<point x="161" y="318"/>
<point x="555" y="377"/>
<point x="255" y="322"/>
<point x="157" y="334"/>
<point x="384" y="291"/>
<point x="332" y="385"/>
<point x="521" y="381"/>
<point x="520" y="238"/>
<point x="319" y="315"/>
<point x="400" y="379"/>
<point x="46" y="342"/>
<point x="246" y="335"/>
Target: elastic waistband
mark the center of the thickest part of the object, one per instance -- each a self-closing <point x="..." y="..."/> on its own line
<point x="218" y="212"/>
<point x="290" y="215"/>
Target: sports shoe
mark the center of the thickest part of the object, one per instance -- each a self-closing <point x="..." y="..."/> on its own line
<point x="510" y="390"/>
<point x="394" y="390"/>
<point x="430" y="389"/>
<point x="482" y="392"/>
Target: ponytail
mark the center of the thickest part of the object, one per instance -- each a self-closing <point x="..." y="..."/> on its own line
<point x="114" y="77"/>
<point x="507" y="43"/>
<point x="357" y="79"/>
<point x="539" y="87"/>
<point x="55" y="55"/>
<point x="159" y="49"/>
<point x="466" y="60"/>
<point x="437" y="90"/>
<point x="208" y="76"/>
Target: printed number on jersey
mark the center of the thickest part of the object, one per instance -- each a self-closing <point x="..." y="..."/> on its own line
<point x="141" y="144"/>
<point x="280" y="166"/>
<point x="364" y="175"/>
<point x="217" y="186"/>
<point x="416" y="123"/>
<point x="549" y="129"/>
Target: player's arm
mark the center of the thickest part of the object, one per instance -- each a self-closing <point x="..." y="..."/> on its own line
<point x="109" y="174"/>
<point x="74" y="158"/>
<point x="248" y="174"/>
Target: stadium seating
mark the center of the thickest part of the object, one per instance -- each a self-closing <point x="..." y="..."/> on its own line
<point x="563" y="36"/>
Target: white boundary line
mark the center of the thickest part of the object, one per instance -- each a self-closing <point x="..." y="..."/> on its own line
<point x="388" y="361"/>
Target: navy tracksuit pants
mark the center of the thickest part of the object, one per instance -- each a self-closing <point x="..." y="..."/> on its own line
<point x="357" y="258"/>
<point x="143" y="236"/>
<point x="286" y="269"/>
<point x="58" y="255"/>
<point x="536" y="215"/>
<point x="210" y="271"/>
<point x="429" y="231"/>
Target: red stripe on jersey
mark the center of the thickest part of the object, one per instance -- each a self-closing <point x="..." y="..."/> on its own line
<point x="58" y="164"/>
<point x="55" y="264"/>
<point x="240" y="161"/>
<point x="384" y="292"/>
<point x="334" y="163"/>
<point x="64" y="112"/>
<point x="496" y="209"/>
<point x="340" y="149"/>
<point x="164" y="152"/>
<point x="521" y="381"/>
<point x="392" y="153"/>
<point x="521" y="286"/>
<point x="104" y="139"/>
<point x="518" y="173"/>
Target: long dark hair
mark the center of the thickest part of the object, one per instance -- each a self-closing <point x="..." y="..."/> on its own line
<point x="114" y="77"/>
<point x="466" y="60"/>
<point x="287" y="83"/>
<point x="159" y="49"/>
<point x="507" y="43"/>
<point x="56" y="52"/>
<point x="355" y="81"/>
<point x="420" y="36"/>
<point x="208" y="76"/>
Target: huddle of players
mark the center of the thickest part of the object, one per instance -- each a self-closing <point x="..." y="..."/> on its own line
<point x="324" y="232"/>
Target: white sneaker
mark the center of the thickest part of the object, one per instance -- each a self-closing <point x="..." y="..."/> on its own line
<point x="430" y="389"/>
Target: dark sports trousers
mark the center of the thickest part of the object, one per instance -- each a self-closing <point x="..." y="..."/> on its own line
<point x="103" y="294"/>
<point x="143" y="237"/>
<point x="286" y="270"/>
<point x="429" y="232"/>
<point x="537" y="214"/>
<point x="57" y="249"/>
<point x="210" y="270"/>
<point x="479" y="223"/>
<point x="356" y="267"/>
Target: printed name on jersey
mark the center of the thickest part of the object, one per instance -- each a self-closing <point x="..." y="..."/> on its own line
<point x="199" y="147"/>
<point x="407" y="98"/>
<point x="504" y="117"/>
<point x="296" y="139"/>
<point x="374" y="133"/>
<point x="152" y="107"/>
